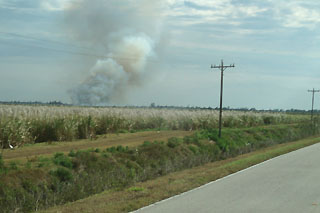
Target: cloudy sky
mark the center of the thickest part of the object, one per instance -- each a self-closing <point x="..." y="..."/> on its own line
<point x="47" y="48"/>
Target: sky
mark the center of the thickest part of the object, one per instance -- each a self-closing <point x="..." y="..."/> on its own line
<point x="51" y="49"/>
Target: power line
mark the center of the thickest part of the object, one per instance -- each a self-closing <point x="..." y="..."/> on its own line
<point x="42" y="40"/>
<point x="57" y="50"/>
<point x="72" y="52"/>
<point x="222" y="68"/>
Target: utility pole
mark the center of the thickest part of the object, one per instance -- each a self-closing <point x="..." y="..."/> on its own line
<point x="313" y="91"/>
<point x="222" y="68"/>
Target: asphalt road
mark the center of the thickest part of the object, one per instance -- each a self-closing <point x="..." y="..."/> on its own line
<point x="289" y="183"/>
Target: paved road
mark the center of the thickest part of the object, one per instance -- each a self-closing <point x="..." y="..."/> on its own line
<point x="289" y="183"/>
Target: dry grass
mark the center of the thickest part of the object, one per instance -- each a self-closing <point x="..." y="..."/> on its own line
<point x="124" y="139"/>
<point x="175" y="183"/>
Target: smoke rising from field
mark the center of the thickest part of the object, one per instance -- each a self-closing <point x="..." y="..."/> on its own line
<point x="126" y="32"/>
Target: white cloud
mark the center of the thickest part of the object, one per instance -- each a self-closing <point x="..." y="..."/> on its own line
<point x="302" y="17"/>
<point x="208" y="11"/>
<point x="29" y="6"/>
<point x="297" y="14"/>
<point x="55" y="5"/>
<point x="290" y="14"/>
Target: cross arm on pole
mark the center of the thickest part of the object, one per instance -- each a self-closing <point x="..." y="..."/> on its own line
<point x="222" y="66"/>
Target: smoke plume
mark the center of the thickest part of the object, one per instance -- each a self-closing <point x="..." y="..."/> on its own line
<point x="126" y="32"/>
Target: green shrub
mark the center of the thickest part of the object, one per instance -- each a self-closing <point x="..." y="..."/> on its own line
<point x="13" y="165"/>
<point x="43" y="161"/>
<point x="136" y="189"/>
<point x="111" y="149"/>
<point x="89" y="160"/>
<point x="122" y="131"/>
<point x="62" y="160"/>
<point x="173" y="142"/>
<point x="121" y="148"/>
<point x="146" y="143"/>
<point x="117" y="149"/>
<point x="63" y="174"/>
<point x="212" y="134"/>
<point x="194" y="149"/>
<point x="72" y="153"/>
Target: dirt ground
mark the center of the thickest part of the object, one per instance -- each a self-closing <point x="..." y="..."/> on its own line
<point x="102" y="142"/>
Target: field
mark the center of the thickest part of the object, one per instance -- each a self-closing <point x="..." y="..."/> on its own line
<point x="63" y="154"/>
<point x="21" y="125"/>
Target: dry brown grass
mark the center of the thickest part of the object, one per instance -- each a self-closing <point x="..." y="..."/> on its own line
<point x="124" y="139"/>
<point x="175" y="183"/>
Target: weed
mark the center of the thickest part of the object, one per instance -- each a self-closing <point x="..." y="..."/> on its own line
<point x="72" y="153"/>
<point x="63" y="174"/>
<point x="28" y="165"/>
<point x="146" y="143"/>
<point x="13" y="165"/>
<point x="136" y="189"/>
<point x="173" y="142"/>
<point x="62" y="160"/>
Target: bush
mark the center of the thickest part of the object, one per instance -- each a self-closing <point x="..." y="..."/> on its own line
<point x="136" y="189"/>
<point x="111" y="149"/>
<point x="146" y="143"/>
<point x="72" y="153"/>
<point x="194" y="149"/>
<point x="62" y="160"/>
<point x="117" y="149"/>
<point x="63" y="174"/>
<point x="173" y="142"/>
<point x="13" y="165"/>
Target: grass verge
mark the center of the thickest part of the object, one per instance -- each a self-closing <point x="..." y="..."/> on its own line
<point x="148" y="192"/>
<point x="124" y="139"/>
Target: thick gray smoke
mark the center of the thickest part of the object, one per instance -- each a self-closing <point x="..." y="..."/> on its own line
<point x="126" y="32"/>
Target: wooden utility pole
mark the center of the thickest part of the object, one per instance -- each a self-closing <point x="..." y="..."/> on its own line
<point x="313" y="91"/>
<point x="222" y="68"/>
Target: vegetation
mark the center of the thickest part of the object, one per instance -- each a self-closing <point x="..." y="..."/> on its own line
<point x="83" y="173"/>
<point x="30" y="151"/>
<point x="148" y="192"/>
<point x="20" y="124"/>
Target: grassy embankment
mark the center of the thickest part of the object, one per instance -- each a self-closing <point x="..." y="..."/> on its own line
<point x="145" y="193"/>
<point x="65" y="178"/>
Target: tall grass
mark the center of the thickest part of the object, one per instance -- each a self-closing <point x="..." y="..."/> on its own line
<point x="32" y="124"/>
